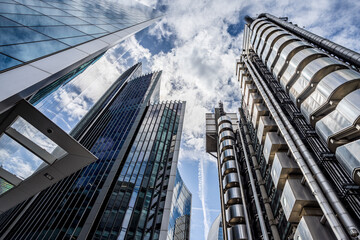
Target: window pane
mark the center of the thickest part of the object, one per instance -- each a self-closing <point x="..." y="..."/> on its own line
<point x="4" y="22"/>
<point x="76" y="40"/>
<point x="59" y="31"/>
<point x="5" y="186"/>
<point x="70" y="20"/>
<point x="33" y="3"/>
<point x="16" y="8"/>
<point x="31" y="20"/>
<point x="15" y="35"/>
<point x="109" y="28"/>
<point x="16" y="159"/>
<point x="7" y="62"/>
<point x="50" y="11"/>
<point x="89" y="29"/>
<point x="29" y="51"/>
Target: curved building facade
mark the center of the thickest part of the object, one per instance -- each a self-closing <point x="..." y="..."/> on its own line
<point x="216" y="230"/>
<point x="180" y="211"/>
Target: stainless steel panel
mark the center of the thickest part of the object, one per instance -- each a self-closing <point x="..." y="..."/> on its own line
<point x="232" y="196"/>
<point x="349" y="156"/>
<point x="228" y="167"/>
<point x="225" y="126"/>
<point x="259" y="34"/>
<point x="330" y="90"/>
<point x="237" y="232"/>
<point x="266" y="124"/>
<point x="310" y="76"/>
<point x="273" y="143"/>
<point x="226" y="144"/>
<point x="294" y="198"/>
<point x="253" y="98"/>
<point x="255" y="31"/>
<point x="270" y="43"/>
<point x="296" y="65"/>
<point x="341" y="125"/>
<point x="282" y="167"/>
<point x="230" y="180"/>
<point x="278" y="46"/>
<point x="285" y="56"/>
<point x="259" y="110"/>
<point x="265" y="38"/>
<point x="310" y="228"/>
<point x="246" y="81"/>
<point x="249" y="88"/>
<point x="227" y="134"/>
<point x="235" y="214"/>
<point x="226" y="155"/>
<point x="224" y="118"/>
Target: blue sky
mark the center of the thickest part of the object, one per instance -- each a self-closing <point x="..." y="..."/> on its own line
<point x="196" y="46"/>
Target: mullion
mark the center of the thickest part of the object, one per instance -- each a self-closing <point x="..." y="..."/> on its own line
<point x="130" y="153"/>
<point x="104" y="166"/>
<point x="147" y="145"/>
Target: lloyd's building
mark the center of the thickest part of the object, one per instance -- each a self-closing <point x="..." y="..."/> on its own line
<point x="84" y="155"/>
<point x="289" y="160"/>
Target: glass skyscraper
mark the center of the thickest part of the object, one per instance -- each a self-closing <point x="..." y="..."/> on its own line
<point x="127" y="192"/>
<point x="179" y="223"/>
<point x="45" y="40"/>
<point x="45" y="49"/>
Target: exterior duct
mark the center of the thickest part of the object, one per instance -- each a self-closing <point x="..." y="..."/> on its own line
<point x="344" y="53"/>
<point x="288" y="131"/>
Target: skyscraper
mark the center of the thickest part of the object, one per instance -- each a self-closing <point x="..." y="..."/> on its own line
<point x="289" y="167"/>
<point x="45" y="46"/>
<point x="128" y="192"/>
<point x="45" y="40"/>
<point x="216" y="230"/>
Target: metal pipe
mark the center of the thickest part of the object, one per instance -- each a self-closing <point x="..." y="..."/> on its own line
<point x="313" y="185"/>
<point x="340" y="51"/>
<point x="269" y="213"/>
<point x="330" y="193"/>
<point x="253" y="188"/>
<point x="243" y="197"/>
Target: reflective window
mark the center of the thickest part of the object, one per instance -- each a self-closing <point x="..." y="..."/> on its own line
<point x="50" y="11"/>
<point x="76" y="40"/>
<point x="32" y="20"/>
<point x="7" y="62"/>
<point x="29" y="51"/>
<point x="16" y="8"/>
<point x="33" y="3"/>
<point x="16" y="159"/>
<point x="5" y="186"/>
<point x="59" y="31"/>
<point x="4" y="22"/>
<point x="70" y="20"/>
<point x="19" y="35"/>
<point x="89" y="29"/>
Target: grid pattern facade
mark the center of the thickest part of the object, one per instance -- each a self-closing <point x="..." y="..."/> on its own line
<point x="32" y="29"/>
<point x="135" y="203"/>
<point x="60" y="211"/>
<point x="179" y="223"/>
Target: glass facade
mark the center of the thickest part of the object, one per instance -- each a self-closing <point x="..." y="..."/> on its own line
<point x="216" y="230"/>
<point x="179" y="223"/>
<point x="32" y="29"/>
<point x="135" y="203"/>
<point x="61" y="210"/>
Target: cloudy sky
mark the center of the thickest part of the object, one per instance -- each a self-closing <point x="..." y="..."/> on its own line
<point x="196" y="45"/>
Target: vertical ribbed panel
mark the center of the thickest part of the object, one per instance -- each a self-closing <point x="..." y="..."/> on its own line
<point x="60" y="211"/>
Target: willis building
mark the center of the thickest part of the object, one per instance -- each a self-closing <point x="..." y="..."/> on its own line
<point x="289" y="159"/>
<point x="84" y="156"/>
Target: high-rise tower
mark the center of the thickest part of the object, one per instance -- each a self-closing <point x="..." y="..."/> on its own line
<point x="290" y="166"/>
<point x="45" y="46"/>
<point x="128" y="192"/>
